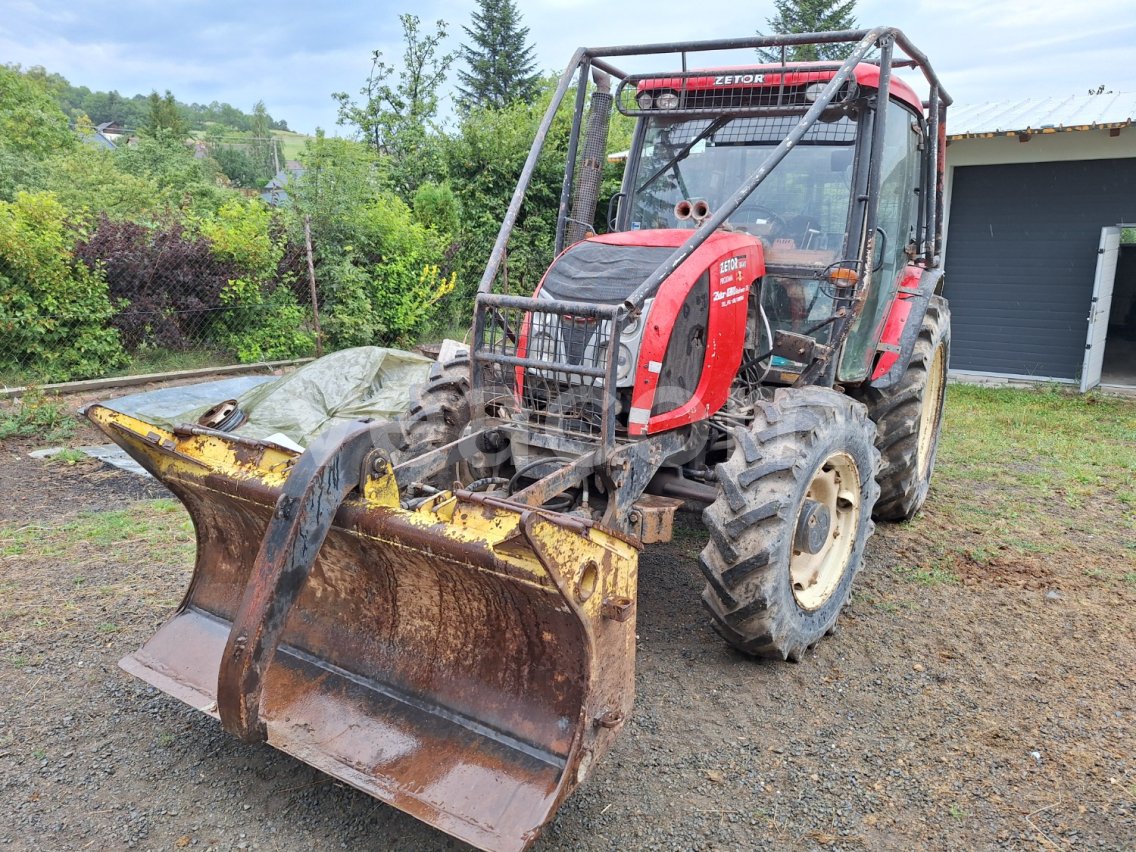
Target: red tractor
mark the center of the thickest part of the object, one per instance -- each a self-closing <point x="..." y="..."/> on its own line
<point x="761" y="329"/>
<point x="441" y="611"/>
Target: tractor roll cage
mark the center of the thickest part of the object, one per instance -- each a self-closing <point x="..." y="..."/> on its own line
<point x="489" y="306"/>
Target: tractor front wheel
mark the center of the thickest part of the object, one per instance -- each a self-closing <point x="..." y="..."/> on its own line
<point x="788" y="529"/>
<point x="438" y="413"/>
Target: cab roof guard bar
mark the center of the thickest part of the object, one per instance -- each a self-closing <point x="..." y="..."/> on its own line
<point x="589" y="57"/>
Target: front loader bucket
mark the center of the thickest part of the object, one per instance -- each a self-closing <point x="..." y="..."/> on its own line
<point x="466" y="661"/>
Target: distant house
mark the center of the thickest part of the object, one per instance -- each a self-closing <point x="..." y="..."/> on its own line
<point x="275" y="194"/>
<point x="112" y="130"/>
<point x="1040" y="286"/>
<point x="99" y="140"/>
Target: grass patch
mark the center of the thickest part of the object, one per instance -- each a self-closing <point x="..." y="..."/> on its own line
<point x="69" y="457"/>
<point x="1028" y="484"/>
<point x="292" y="143"/>
<point x="1048" y="443"/>
<point x="143" y="362"/>
<point x="91" y="569"/>
<point x="159" y="527"/>
<point x="934" y="575"/>
<point x="168" y="361"/>
<point x="35" y="415"/>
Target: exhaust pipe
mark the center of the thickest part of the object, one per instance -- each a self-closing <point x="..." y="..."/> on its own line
<point x="698" y="210"/>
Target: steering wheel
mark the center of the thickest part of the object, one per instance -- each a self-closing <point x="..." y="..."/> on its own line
<point x="749" y="213"/>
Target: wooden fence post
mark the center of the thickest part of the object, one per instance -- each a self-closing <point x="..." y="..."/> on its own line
<point x="312" y="285"/>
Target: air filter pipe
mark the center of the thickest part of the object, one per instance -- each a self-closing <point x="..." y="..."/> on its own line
<point x="592" y="159"/>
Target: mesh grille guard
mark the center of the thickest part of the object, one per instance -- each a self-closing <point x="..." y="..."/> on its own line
<point x="554" y="357"/>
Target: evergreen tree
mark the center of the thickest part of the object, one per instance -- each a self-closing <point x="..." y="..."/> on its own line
<point x="164" y="115"/>
<point x="500" y="59"/>
<point x="810" y="16"/>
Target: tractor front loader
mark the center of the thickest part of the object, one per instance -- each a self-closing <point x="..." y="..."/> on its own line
<point x="440" y="610"/>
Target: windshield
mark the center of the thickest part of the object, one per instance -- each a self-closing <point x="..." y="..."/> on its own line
<point x="800" y="211"/>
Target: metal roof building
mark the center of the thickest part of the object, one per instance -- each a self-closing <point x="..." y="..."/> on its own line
<point x="1112" y="111"/>
<point x="1039" y="283"/>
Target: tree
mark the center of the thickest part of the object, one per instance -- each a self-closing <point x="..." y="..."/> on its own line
<point x="31" y="122"/>
<point x="810" y="16"/>
<point x="396" y="119"/>
<point x="484" y="159"/>
<point x="501" y="65"/>
<point x="264" y="152"/>
<point x="164" y="116"/>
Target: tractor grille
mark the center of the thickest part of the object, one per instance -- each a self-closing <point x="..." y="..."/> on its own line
<point x="549" y="361"/>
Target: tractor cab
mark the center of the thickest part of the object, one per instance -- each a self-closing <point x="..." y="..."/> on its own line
<point x="701" y="134"/>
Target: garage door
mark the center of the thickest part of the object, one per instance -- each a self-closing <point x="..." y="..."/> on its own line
<point x="1021" y="253"/>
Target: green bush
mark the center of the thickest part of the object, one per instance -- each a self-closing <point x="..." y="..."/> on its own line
<point x="241" y="231"/>
<point x="436" y="206"/>
<point x="88" y="179"/>
<point x="184" y="182"/>
<point x="265" y="321"/>
<point x="379" y="268"/>
<point x="19" y="171"/>
<point x="54" y="310"/>
<point x="266" y="326"/>
<point x="389" y="281"/>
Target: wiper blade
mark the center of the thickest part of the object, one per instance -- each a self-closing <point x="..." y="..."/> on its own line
<point x="714" y="126"/>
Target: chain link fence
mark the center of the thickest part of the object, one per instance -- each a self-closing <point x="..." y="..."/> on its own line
<point x="142" y="299"/>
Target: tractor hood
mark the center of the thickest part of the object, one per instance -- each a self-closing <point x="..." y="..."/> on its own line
<point x="608" y="269"/>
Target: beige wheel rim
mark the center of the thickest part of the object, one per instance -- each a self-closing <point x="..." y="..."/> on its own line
<point x="835" y="487"/>
<point x="931" y="410"/>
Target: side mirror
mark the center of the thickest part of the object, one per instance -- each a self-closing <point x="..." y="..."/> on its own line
<point x="613" y="210"/>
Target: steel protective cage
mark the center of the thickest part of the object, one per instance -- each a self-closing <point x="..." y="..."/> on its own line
<point x="488" y="305"/>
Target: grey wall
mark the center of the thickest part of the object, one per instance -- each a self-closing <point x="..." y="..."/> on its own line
<point x="1021" y="255"/>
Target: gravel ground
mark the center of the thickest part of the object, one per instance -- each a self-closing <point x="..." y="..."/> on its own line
<point x="993" y="711"/>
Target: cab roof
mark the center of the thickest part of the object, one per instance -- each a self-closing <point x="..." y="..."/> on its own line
<point x="776" y="74"/>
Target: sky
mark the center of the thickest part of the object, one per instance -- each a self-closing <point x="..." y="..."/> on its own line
<point x="293" y="55"/>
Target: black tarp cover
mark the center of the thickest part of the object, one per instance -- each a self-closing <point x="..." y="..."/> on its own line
<point x="600" y="273"/>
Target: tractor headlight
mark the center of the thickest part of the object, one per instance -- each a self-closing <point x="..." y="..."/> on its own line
<point x="542" y="347"/>
<point x="623" y="366"/>
<point x="632" y="327"/>
<point x="645" y="100"/>
<point x="813" y="90"/>
<point x="667" y="100"/>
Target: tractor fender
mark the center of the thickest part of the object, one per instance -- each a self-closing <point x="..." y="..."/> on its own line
<point x="905" y="318"/>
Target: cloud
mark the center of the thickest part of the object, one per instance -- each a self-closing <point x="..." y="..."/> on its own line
<point x="293" y="55"/>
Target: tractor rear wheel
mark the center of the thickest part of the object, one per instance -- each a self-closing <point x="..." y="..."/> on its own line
<point x="788" y="529"/>
<point x="909" y="416"/>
